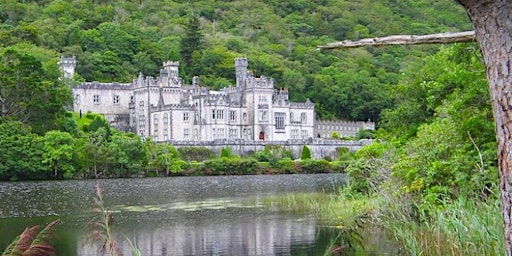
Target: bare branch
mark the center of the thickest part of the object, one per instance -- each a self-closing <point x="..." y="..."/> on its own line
<point x="439" y="38"/>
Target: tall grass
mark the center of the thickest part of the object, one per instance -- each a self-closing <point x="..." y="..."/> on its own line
<point x="462" y="227"/>
<point x="332" y="209"/>
<point x="33" y="242"/>
<point x="102" y="229"/>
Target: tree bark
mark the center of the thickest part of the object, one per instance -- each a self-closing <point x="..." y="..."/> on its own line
<point x="492" y="20"/>
<point x="465" y="36"/>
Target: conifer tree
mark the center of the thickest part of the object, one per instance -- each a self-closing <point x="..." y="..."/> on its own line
<point x="192" y="45"/>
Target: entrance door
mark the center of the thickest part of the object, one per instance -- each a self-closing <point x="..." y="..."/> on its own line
<point x="262" y="136"/>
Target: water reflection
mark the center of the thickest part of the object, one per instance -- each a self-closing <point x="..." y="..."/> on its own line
<point x="171" y="216"/>
<point x="244" y="232"/>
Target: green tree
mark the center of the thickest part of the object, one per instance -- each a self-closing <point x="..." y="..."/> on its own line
<point x="95" y="155"/>
<point x="60" y="153"/>
<point x="21" y="152"/>
<point x="126" y="154"/>
<point x="29" y="92"/>
<point x="192" y="44"/>
<point x="168" y="160"/>
<point x="306" y="153"/>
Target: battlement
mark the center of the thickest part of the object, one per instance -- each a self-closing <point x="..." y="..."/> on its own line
<point x="67" y="60"/>
<point x="105" y="86"/>
<point x="282" y="94"/>
<point x="171" y="64"/>
<point x="173" y="107"/>
<point x="241" y="62"/>
<point x="259" y="82"/>
<point x="67" y="66"/>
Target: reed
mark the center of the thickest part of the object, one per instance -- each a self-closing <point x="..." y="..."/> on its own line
<point x="338" y="209"/>
<point x="102" y="227"/>
<point x="463" y="227"/>
<point x="33" y="242"/>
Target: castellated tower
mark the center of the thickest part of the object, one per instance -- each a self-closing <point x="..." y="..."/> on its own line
<point x="172" y="68"/>
<point x="241" y="71"/>
<point x="67" y="66"/>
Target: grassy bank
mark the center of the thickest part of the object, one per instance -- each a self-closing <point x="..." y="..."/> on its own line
<point x="462" y="227"/>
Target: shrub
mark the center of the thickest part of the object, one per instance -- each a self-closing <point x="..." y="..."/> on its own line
<point x="198" y="154"/>
<point x="306" y="153"/>
<point x="315" y="166"/>
<point x="286" y="165"/>
<point x="226" y="152"/>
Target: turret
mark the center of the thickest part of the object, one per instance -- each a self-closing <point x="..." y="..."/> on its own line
<point x="240" y="70"/>
<point x="172" y="68"/>
<point x="67" y="66"/>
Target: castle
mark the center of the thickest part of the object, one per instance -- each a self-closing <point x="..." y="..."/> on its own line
<point x="167" y="110"/>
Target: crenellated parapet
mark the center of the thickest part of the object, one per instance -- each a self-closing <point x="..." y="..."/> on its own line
<point x="259" y="82"/>
<point x="168" y="107"/>
<point x="67" y="66"/>
<point x="105" y="86"/>
<point x="281" y="94"/>
<point x="303" y="105"/>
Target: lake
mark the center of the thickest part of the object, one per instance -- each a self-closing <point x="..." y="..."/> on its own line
<point x="220" y="215"/>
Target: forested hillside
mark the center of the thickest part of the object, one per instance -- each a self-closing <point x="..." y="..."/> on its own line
<point x="115" y="39"/>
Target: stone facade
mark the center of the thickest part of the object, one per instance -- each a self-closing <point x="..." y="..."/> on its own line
<point x="167" y="110"/>
<point x="325" y="128"/>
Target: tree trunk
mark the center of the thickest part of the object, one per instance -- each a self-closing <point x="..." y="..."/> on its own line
<point x="492" y="20"/>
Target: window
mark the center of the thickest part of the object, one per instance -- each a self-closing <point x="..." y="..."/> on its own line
<point x="217" y="114"/>
<point x="245" y="116"/>
<point x="186" y="117"/>
<point x="186" y="134"/>
<point x="295" y="134"/>
<point x="303" y="117"/>
<point x="77" y="98"/>
<point x="96" y="99"/>
<point x="232" y="115"/>
<point x="279" y="116"/>
<point x="264" y="115"/>
<point x="142" y="125"/>
<point x="155" y="124"/>
<point x="116" y="99"/>
<point x="166" y="119"/>
<point x="220" y="114"/>
<point x="304" y="134"/>
<point x="233" y="133"/>
<point x="132" y="99"/>
<point x="221" y="133"/>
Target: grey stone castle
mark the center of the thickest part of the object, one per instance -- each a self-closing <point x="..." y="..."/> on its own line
<point x="167" y="110"/>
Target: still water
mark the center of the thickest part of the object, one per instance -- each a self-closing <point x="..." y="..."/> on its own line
<point x="221" y="215"/>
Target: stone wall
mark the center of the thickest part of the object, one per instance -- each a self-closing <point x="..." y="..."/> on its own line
<point x="320" y="148"/>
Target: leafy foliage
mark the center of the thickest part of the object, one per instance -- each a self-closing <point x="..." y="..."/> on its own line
<point x="31" y="92"/>
<point x="451" y="150"/>
<point x="306" y="153"/>
<point x="114" y="40"/>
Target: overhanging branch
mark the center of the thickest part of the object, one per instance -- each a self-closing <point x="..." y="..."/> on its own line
<point x="439" y="38"/>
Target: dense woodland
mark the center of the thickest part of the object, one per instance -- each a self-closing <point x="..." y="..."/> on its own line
<point x="114" y="40"/>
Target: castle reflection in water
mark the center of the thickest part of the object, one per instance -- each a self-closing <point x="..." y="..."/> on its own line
<point x="264" y="234"/>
